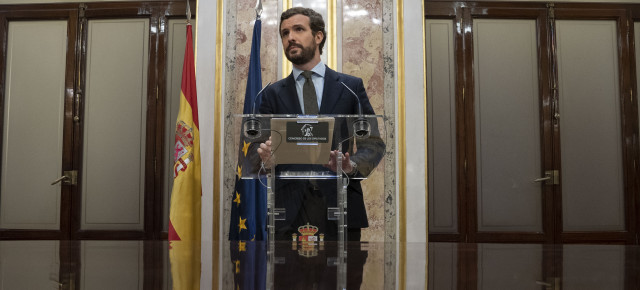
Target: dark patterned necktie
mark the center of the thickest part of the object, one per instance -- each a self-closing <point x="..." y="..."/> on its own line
<point x="309" y="95"/>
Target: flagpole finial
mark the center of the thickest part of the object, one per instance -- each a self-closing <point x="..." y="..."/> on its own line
<point x="188" y="12"/>
<point x="258" y="9"/>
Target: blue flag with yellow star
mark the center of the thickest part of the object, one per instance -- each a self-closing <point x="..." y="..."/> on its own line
<point x="249" y="207"/>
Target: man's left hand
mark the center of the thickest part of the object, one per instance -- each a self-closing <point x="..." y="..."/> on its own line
<point x="333" y="162"/>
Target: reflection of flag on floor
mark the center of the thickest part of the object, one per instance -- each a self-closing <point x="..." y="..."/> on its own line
<point x="184" y="215"/>
<point x="249" y="264"/>
<point x="249" y="206"/>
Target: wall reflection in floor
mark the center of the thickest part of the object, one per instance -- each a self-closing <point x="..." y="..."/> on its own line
<point x="533" y="266"/>
<point x="83" y="265"/>
<point x="144" y="265"/>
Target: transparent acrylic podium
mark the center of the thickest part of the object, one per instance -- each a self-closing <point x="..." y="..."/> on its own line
<point x="312" y="174"/>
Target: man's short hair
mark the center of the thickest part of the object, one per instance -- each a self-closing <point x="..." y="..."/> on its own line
<point x="315" y="21"/>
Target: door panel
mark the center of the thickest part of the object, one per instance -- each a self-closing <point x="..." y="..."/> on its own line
<point x="112" y="265"/>
<point x="590" y="130"/>
<point x="29" y="264"/>
<point x="443" y="266"/>
<point x="508" y="147"/>
<point x="443" y="205"/>
<point x="115" y="124"/>
<point x="33" y="125"/>
<point x="503" y="266"/>
<point x="586" y="267"/>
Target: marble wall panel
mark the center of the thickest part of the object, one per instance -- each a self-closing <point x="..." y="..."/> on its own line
<point x="362" y="57"/>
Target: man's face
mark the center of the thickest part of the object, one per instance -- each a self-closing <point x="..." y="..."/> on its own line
<point x="299" y="44"/>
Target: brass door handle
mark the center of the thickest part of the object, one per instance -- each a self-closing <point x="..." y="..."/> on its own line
<point x="550" y="283"/>
<point x="542" y="283"/>
<point x="547" y="286"/>
<point x="550" y="177"/>
<point x="545" y="178"/>
<point x="69" y="177"/>
<point x="62" y="178"/>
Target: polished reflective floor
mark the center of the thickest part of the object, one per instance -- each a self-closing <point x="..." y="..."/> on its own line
<point x="285" y="265"/>
<point x="533" y="266"/>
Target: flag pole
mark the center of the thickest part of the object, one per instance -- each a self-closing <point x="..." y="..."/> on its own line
<point x="188" y="12"/>
<point x="258" y="9"/>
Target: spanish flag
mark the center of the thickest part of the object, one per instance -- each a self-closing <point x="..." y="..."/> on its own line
<point x="184" y="215"/>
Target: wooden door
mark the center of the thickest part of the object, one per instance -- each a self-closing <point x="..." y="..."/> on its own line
<point x="116" y="125"/>
<point x="84" y="88"/>
<point x="591" y="126"/>
<point x="508" y="150"/>
<point x="37" y="108"/>
<point x="532" y="122"/>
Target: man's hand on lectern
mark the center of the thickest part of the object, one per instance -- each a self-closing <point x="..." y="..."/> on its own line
<point x="347" y="166"/>
<point x="265" y="153"/>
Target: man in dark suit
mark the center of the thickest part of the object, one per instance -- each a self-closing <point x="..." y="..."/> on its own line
<point x="303" y="35"/>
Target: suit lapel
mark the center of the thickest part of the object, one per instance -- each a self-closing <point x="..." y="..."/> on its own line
<point x="331" y="92"/>
<point x="289" y="97"/>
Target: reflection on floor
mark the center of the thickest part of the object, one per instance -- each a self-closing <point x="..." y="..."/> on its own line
<point x="533" y="266"/>
<point x="144" y="265"/>
<point x="83" y="265"/>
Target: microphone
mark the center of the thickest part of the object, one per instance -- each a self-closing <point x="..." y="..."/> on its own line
<point x="361" y="126"/>
<point x="252" y="127"/>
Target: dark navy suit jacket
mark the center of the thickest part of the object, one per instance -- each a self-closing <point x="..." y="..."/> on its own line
<point x="282" y="98"/>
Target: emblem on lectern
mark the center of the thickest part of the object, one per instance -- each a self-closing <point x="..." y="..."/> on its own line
<point x="307" y="130"/>
<point x="308" y="233"/>
<point x="307" y="241"/>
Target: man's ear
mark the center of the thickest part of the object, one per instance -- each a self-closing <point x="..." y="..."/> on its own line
<point x="318" y="37"/>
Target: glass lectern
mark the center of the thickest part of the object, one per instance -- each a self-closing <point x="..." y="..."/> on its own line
<point x="312" y="172"/>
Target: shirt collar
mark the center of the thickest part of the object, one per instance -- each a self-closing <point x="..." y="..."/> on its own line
<point x="319" y="69"/>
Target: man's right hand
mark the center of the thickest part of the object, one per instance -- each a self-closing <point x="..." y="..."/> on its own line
<point x="265" y="152"/>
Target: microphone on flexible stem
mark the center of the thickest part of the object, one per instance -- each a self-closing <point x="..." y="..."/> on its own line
<point x="252" y="127"/>
<point x="361" y="126"/>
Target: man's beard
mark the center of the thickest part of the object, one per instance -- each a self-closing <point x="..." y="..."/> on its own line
<point x="306" y="54"/>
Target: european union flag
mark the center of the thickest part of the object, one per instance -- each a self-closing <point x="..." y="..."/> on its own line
<point x="249" y="206"/>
